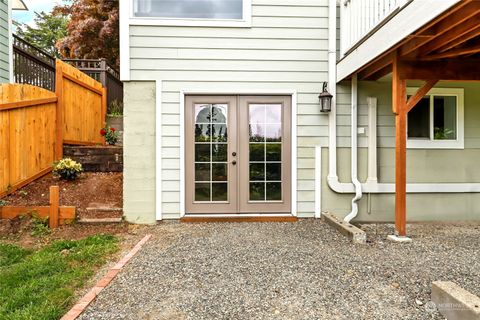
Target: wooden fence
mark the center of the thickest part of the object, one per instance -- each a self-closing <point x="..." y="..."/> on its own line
<point x="32" y="65"/>
<point x="35" y="122"/>
<point x="83" y="102"/>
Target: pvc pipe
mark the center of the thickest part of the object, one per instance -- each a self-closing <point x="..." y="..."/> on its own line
<point x="354" y="162"/>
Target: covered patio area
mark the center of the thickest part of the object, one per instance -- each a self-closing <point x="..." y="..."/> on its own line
<point x="445" y="49"/>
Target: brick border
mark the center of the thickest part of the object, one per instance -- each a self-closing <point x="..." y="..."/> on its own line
<point x="85" y="301"/>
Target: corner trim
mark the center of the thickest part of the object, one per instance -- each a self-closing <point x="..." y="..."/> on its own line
<point x="158" y="150"/>
<point x="124" y="40"/>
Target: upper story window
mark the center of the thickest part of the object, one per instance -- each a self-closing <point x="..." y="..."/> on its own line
<point x="193" y="12"/>
<point x="437" y="121"/>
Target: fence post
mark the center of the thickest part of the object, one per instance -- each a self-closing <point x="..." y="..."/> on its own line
<point x="59" y="110"/>
<point x="54" y="207"/>
<point x="104" y="109"/>
<point x="103" y="72"/>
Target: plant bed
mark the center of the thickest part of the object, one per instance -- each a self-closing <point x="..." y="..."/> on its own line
<point x="104" y="188"/>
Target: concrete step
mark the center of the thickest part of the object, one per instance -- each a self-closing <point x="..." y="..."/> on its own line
<point x="99" y="220"/>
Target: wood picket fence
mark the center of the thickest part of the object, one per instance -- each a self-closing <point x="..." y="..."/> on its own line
<point x="35" y="123"/>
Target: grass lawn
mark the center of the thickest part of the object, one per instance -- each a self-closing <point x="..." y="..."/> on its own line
<point x="40" y="284"/>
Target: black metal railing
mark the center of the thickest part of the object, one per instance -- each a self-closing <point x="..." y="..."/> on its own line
<point x="34" y="66"/>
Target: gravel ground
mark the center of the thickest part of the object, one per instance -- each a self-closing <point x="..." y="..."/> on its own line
<point x="303" y="270"/>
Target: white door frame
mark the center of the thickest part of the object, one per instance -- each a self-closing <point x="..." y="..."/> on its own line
<point x="183" y="93"/>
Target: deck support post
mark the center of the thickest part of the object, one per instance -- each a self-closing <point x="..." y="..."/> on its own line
<point x="399" y="105"/>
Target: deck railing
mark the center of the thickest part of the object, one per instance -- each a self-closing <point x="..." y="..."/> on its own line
<point x="360" y="17"/>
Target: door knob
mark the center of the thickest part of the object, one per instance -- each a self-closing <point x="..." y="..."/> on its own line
<point x="234" y="154"/>
<point x="234" y="162"/>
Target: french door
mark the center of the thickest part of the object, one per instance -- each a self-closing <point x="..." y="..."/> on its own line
<point x="237" y="154"/>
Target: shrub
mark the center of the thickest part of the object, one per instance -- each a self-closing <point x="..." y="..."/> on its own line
<point x="115" y="108"/>
<point x="67" y="169"/>
<point x="110" y="134"/>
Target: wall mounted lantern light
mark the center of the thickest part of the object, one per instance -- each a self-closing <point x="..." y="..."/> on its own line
<point x="325" y="99"/>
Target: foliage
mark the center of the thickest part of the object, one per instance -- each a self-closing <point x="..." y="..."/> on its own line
<point x="49" y="28"/>
<point x="39" y="225"/>
<point x="115" y="108"/>
<point x="41" y="284"/>
<point x="111" y="135"/>
<point x="444" y="134"/>
<point x="93" y="30"/>
<point x="67" y="169"/>
<point x="3" y="203"/>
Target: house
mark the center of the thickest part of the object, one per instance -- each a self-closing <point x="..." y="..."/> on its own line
<point x="6" y="65"/>
<point x="222" y="115"/>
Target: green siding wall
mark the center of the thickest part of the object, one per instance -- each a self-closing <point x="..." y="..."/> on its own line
<point x="4" y="42"/>
<point x="423" y="165"/>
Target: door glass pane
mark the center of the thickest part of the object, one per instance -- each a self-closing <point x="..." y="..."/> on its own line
<point x="211" y="152"/>
<point x="445" y="118"/>
<point x="265" y="166"/>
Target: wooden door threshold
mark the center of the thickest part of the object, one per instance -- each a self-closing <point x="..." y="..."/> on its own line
<point x="213" y="219"/>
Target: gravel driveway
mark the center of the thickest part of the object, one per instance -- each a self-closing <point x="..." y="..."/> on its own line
<point x="301" y="270"/>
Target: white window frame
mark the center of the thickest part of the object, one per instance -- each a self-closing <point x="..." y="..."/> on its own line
<point x="246" y="22"/>
<point x="459" y="143"/>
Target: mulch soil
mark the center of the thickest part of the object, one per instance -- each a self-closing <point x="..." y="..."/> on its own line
<point x="89" y="188"/>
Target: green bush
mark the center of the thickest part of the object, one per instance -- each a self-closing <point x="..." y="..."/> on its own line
<point x="67" y="169"/>
<point x="115" y="108"/>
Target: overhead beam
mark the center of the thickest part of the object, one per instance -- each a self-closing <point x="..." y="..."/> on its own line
<point x="448" y="37"/>
<point x="376" y="66"/>
<point x="399" y="106"/>
<point x="461" y="40"/>
<point x="454" y="17"/>
<point x="413" y="100"/>
<point x="455" y="53"/>
<point x="446" y="69"/>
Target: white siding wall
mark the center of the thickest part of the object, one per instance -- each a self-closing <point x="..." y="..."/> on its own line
<point x="286" y="49"/>
<point x="4" y="42"/>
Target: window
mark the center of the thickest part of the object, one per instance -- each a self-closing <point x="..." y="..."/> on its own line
<point x="437" y="120"/>
<point x="194" y="12"/>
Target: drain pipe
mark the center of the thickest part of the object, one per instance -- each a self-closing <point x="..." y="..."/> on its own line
<point x="354" y="139"/>
<point x="332" y="81"/>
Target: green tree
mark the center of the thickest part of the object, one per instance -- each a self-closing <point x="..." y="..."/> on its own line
<point x="49" y="28"/>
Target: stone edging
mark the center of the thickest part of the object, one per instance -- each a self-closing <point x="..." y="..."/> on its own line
<point x="85" y="301"/>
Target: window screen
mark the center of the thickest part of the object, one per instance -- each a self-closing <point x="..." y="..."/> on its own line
<point x="188" y="9"/>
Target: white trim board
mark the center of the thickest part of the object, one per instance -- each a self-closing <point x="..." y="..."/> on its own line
<point x="415" y="15"/>
<point x="124" y="40"/>
<point x="294" y="159"/>
<point x="158" y="150"/>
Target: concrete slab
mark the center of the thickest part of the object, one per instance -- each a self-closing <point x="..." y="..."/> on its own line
<point x="353" y="233"/>
<point x="395" y="238"/>
<point x="454" y="302"/>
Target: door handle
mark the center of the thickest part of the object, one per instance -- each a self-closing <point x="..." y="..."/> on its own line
<point x="234" y="162"/>
<point x="234" y="154"/>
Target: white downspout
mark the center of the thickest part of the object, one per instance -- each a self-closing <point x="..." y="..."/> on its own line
<point x="332" y="81"/>
<point x="354" y="151"/>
